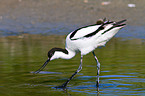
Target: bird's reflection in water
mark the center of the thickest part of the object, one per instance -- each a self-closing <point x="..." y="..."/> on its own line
<point x="66" y="91"/>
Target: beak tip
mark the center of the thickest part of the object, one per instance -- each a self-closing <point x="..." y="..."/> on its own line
<point x="36" y="72"/>
<point x="41" y="68"/>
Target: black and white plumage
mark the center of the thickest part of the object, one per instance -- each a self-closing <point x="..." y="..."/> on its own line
<point x="85" y="40"/>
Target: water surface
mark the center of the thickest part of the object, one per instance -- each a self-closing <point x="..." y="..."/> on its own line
<point x="122" y="68"/>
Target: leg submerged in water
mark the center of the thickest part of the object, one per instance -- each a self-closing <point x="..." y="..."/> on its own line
<point x="79" y="69"/>
<point x="98" y="69"/>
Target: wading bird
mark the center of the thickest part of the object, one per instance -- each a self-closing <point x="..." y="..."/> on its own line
<point x="85" y="40"/>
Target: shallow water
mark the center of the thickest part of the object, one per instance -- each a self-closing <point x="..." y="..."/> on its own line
<point x="63" y="29"/>
<point x="122" y="68"/>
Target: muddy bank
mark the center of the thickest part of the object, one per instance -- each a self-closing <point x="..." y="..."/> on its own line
<point x="62" y="16"/>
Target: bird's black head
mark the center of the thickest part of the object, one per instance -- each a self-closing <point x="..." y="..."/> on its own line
<point x="53" y="50"/>
<point x="51" y="56"/>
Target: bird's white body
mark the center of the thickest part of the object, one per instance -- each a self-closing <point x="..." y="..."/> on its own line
<point x="85" y="40"/>
<point x="85" y="45"/>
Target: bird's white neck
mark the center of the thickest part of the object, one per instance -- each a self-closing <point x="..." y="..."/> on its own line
<point x="62" y="55"/>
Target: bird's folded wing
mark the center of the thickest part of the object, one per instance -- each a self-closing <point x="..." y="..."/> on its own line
<point x="84" y="32"/>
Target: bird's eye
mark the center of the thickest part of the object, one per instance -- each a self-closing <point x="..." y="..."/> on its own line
<point x="50" y="53"/>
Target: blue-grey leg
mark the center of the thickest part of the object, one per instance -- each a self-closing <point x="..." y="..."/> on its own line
<point x="98" y="68"/>
<point x="79" y="69"/>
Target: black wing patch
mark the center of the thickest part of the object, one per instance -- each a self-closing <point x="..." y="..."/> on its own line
<point x="108" y="30"/>
<point x="72" y="35"/>
<point x="93" y="33"/>
<point x="88" y="35"/>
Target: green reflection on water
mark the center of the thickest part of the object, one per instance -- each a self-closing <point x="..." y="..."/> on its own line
<point x="122" y="68"/>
